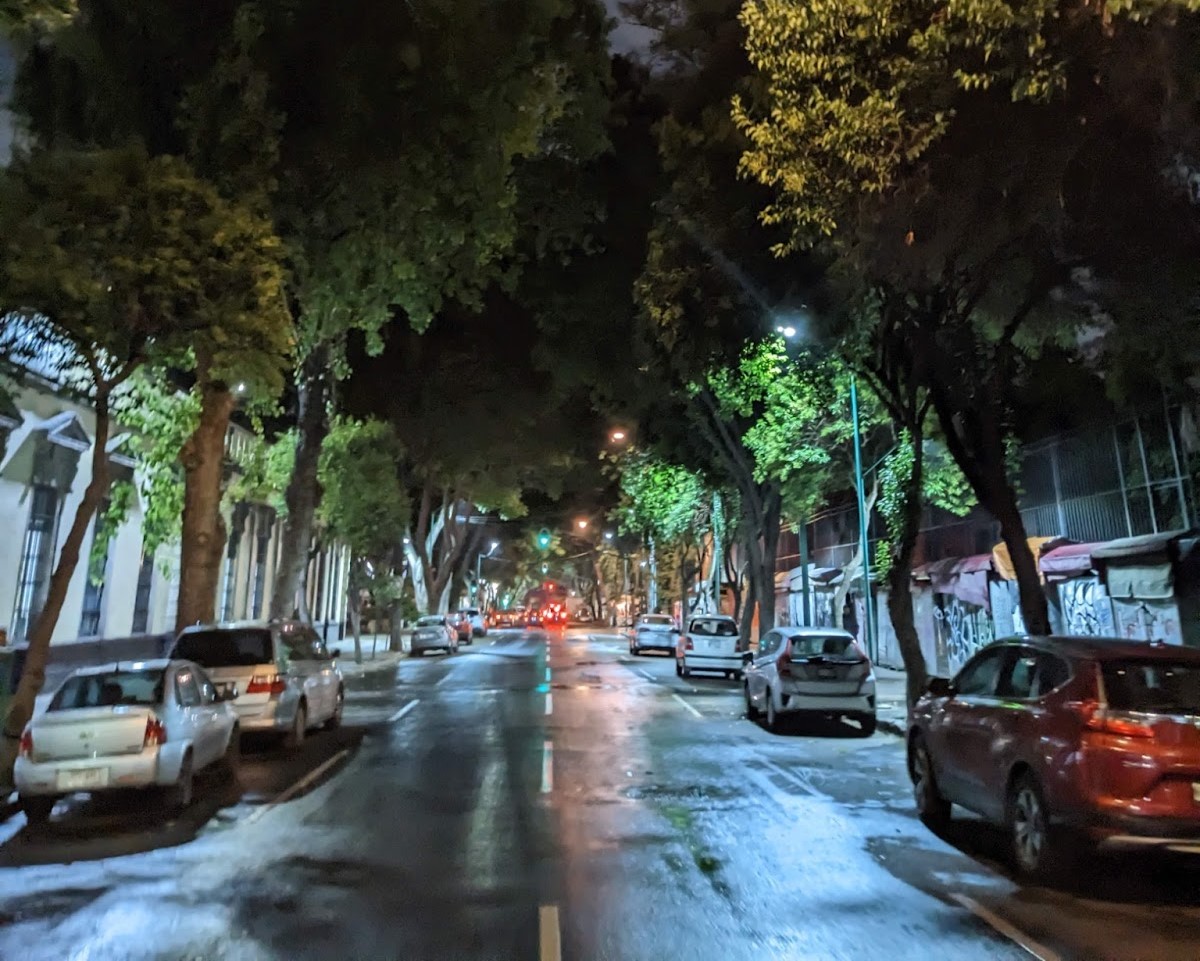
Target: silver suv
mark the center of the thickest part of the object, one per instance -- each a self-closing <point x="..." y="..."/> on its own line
<point x="286" y="680"/>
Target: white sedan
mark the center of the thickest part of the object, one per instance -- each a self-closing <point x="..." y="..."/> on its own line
<point x="810" y="670"/>
<point x="143" y="724"/>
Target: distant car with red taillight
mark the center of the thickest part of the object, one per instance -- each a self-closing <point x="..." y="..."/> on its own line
<point x="129" y="725"/>
<point x="1068" y="742"/>
<point x="819" y="671"/>
<point x="286" y="678"/>
<point x="710" y="643"/>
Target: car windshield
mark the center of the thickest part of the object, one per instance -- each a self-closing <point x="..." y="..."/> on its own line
<point x="231" y="647"/>
<point x="713" y="627"/>
<point x="430" y="621"/>
<point x="827" y="645"/>
<point x="652" y="621"/>
<point x="1152" y="686"/>
<point x="112" y="688"/>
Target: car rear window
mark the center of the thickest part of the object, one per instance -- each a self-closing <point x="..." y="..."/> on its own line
<point x="243" y="647"/>
<point x="663" y="621"/>
<point x="1153" y="686"/>
<point x="713" y="627"/>
<point x="144" y="687"/>
<point x="430" y="621"/>
<point x="829" y="645"/>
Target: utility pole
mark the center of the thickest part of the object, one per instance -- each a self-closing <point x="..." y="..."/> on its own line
<point x="863" y="524"/>
<point x="718" y="555"/>
<point x="652" y="594"/>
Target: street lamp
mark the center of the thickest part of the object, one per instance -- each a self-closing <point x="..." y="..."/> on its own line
<point x="608" y="535"/>
<point x="582" y="523"/>
<point x="788" y="332"/>
<point x="618" y="436"/>
<point x="479" y="568"/>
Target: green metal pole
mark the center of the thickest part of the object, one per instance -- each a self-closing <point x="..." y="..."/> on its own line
<point x="805" y="589"/>
<point x="863" y="524"/>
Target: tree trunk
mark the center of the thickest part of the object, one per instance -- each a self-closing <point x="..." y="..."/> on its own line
<point x="354" y="608"/>
<point x="33" y="675"/>
<point x="1034" y="607"/>
<point x="900" y="600"/>
<point x="444" y="598"/>
<point x="304" y="489"/>
<point x="853" y="568"/>
<point x="746" y="623"/>
<point x="203" y="535"/>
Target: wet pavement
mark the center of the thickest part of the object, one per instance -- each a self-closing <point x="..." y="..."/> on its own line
<point x="545" y="797"/>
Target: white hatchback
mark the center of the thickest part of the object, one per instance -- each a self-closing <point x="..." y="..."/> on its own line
<point x="141" y="724"/>
<point x="813" y="670"/>
<point x="711" y="643"/>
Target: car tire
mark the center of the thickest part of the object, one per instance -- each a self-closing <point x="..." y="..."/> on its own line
<point x="867" y="723"/>
<point x="339" y="706"/>
<point x="1032" y="842"/>
<point x="231" y="760"/>
<point x="751" y="710"/>
<point x="38" y="809"/>
<point x="932" y="808"/>
<point x="771" y="719"/>
<point x="179" y="794"/>
<point x="294" y="739"/>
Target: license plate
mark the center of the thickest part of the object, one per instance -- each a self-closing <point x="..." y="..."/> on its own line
<point x="83" y="780"/>
<point x="826" y="673"/>
<point x="1196" y="791"/>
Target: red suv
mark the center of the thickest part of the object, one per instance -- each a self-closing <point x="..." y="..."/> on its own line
<point x="1052" y="737"/>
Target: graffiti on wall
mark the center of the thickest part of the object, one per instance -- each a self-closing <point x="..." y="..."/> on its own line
<point x="1086" y="609"/>
<point x="961" y="630"/>
<point x="1156" y="620"/>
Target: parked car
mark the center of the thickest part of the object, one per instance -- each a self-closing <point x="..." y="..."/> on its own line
<point x="286" y="679"/>
<point x="710" y="643"/>
<point x="462" y="627"/>
<point x="474" y="618"/>
<point x="434" y="632"/>
<point x="1068" y="742"/>
<point x="141" y="724"/>
<point x="653" y="632"/>
<point x="810" y="670"/>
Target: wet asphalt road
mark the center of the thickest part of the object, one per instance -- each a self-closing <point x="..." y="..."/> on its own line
<point x="535" y="795"/>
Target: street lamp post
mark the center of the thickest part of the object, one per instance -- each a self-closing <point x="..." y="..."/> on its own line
<point x="479" y="572"/>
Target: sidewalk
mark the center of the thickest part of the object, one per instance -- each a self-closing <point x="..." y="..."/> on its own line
<point x="381" y="660"/>
<point x="891" y="706"/>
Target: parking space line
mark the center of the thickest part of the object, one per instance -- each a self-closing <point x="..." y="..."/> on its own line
<point x="549" y="704"/>
<point x="444" y="677"/>
<point x="296" y="787"/>
<point x="404" y="710"/>
<point x="688" y="706"/>
<point x="547" y="672"/>
<point x="549" y="933"/>
<point x="1014" y="934"/>
<point x="646" y="674"/>
<point x="793" y="778"/>
<point x="547" y="767"/>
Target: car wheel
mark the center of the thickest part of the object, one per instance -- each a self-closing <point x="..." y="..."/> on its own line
<point x="179" y="794"/>
<point x="751" y="710"/>
<point x="772" y="716"/>
<point x="932" y="808"/>
<point x="339" y="706"/>
<point x="38" y="809"/>
<point x="294" y="738"/>
<point x="231" y="760"/>
<point x="1029" y="831"/>
<point x="866" y="724"/>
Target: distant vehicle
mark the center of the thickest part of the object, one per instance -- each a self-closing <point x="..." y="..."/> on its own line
<point x="462" y="627"/>
<point x="287" y="681"/>
<point x="434" y="632"/>
<point x="654" y="632"/>
<point x="475" y="617"/>
<point x="711" y="643"/>
<point x="1068" y="742"/>
<point x="141" y="724"/>
<point x="810" y="670"/>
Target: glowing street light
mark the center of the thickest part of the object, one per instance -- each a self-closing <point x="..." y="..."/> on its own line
<point x="617" y="436"/>
<point x="582" y="524"/>
<point x="608" y="535"/>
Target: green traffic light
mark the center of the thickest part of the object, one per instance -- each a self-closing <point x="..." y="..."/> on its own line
<point x="543" y="540"/>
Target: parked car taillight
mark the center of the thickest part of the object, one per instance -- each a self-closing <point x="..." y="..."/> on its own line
<point x="687" y="643"/>
<point x="784" y="662"/>
<point x="155" y="732"/>
<point x="1107" y="721"/>
<point x="25" y="748"/>
<point x="266" y="684"/>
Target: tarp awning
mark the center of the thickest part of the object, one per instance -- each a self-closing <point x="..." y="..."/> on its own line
<point x="1136" y="546"/>
<point x="1002" y="562"/>
<point x="964" y="577"/>
<point x="1143" y="582"/>
<point x="1070" y="560"/>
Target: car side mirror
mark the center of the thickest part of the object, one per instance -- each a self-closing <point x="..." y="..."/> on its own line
<point x="940" y="687"/>
<point x="335" y="653"/>
<point x="747" y="657"/>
